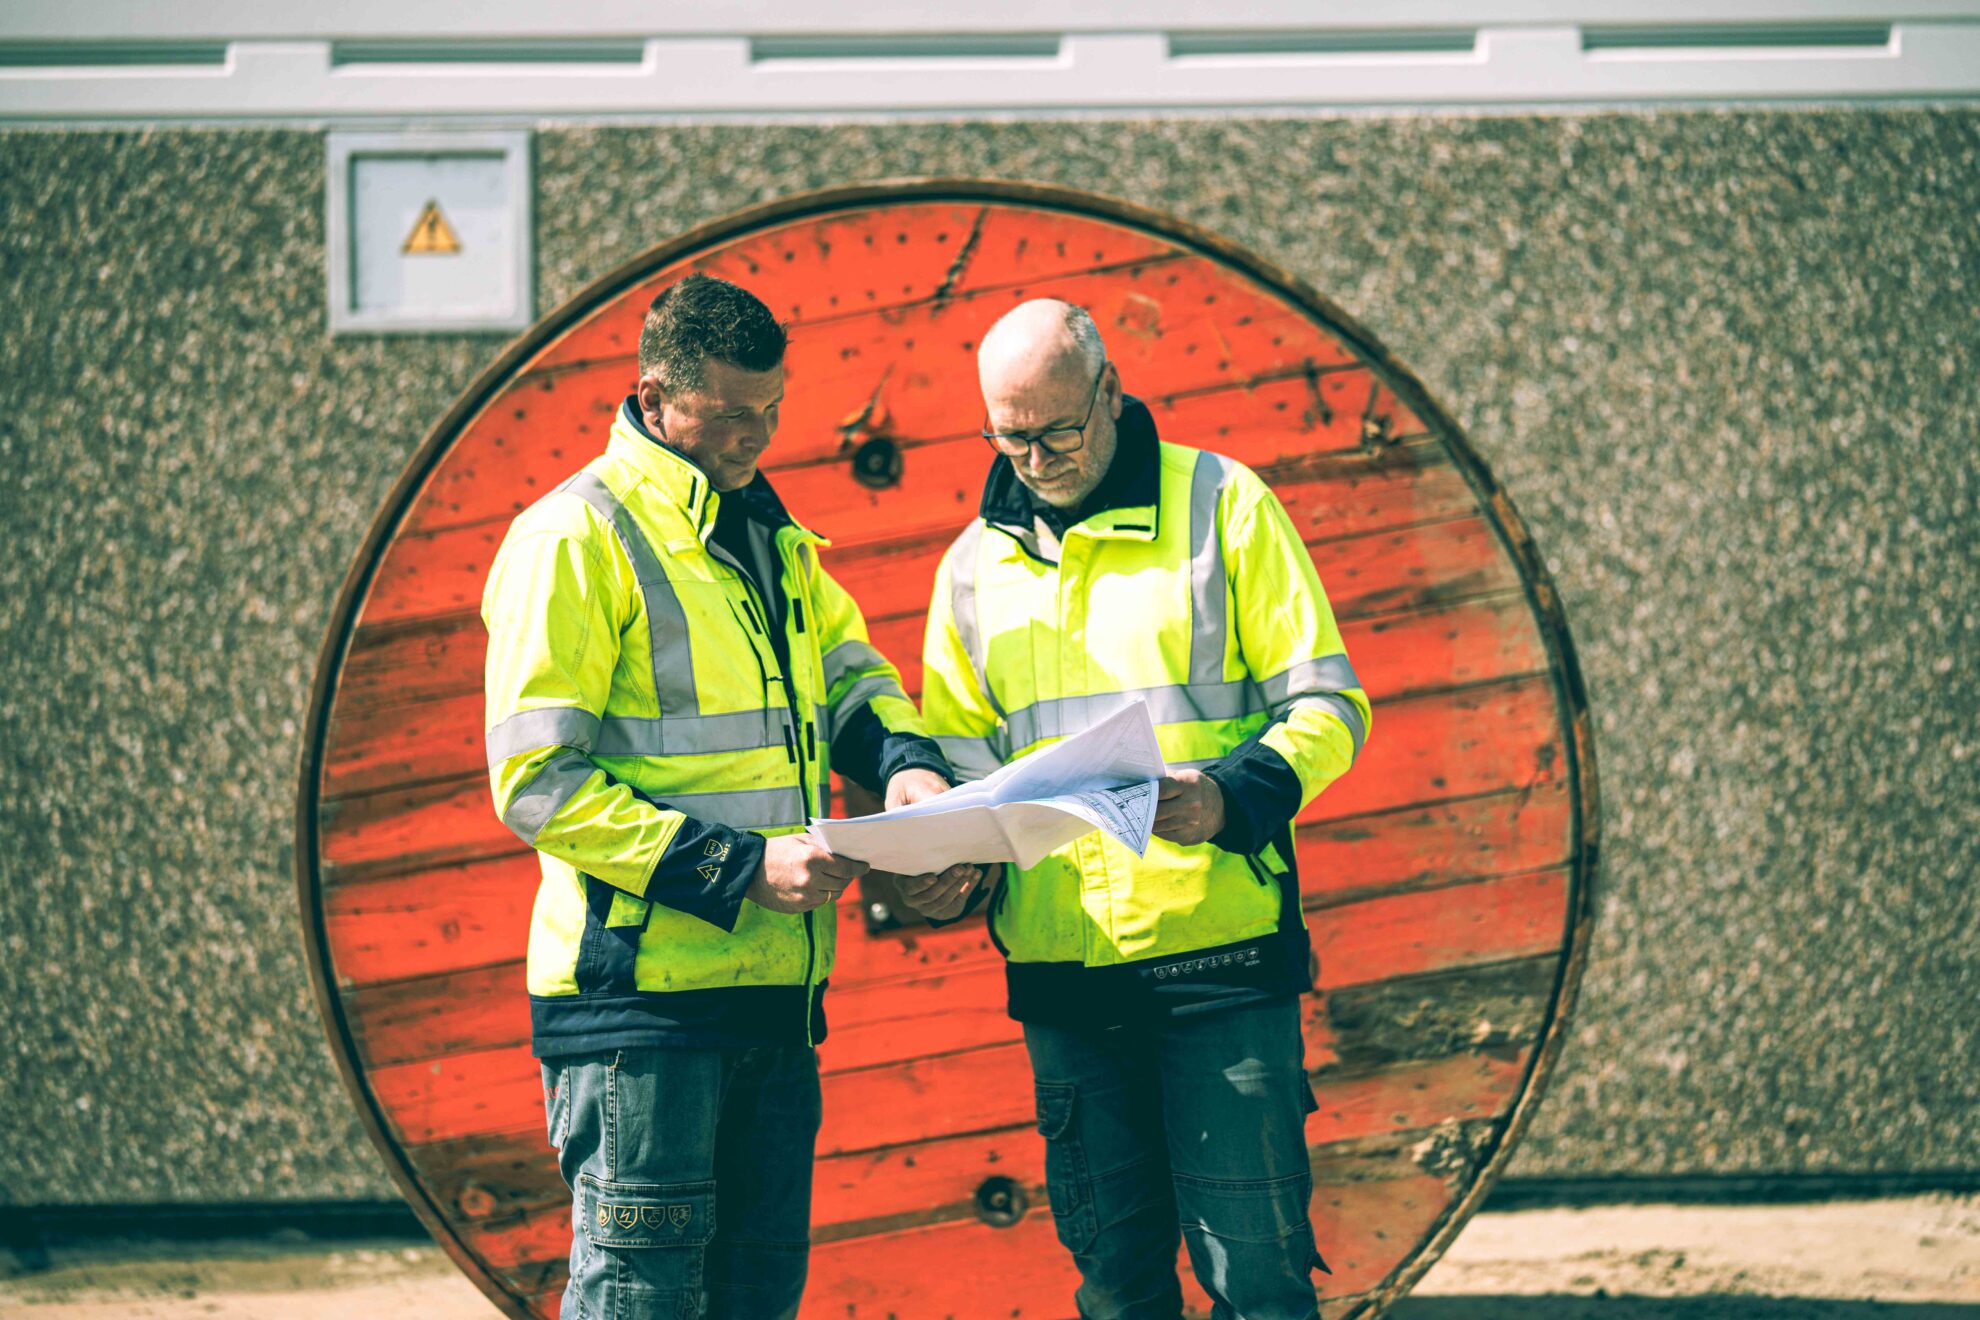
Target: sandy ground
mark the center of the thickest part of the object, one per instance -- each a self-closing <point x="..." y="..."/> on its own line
<point x="1915" y="1258"/>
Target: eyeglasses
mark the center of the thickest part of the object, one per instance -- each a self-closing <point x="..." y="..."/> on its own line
<point x="1058" y="440"/>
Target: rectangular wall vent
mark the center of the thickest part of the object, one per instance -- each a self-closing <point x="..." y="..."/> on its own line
<point x="935" y="46"/>
<point x="110" y="54"/>
<point x="628" y="51"/>
<point x="1402" y="41"/>
<point x="1738" y="36"/>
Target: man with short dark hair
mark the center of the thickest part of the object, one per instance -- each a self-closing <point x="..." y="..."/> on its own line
<point x="671" y="676"/>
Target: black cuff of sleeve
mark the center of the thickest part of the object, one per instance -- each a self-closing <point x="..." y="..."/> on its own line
<point x="912" y="751"/>
<point x="706" y="870"/>
<point x="1261" y="796"/>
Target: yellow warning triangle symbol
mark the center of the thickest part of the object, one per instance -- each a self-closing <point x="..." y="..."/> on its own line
<point x="431" y="233"/>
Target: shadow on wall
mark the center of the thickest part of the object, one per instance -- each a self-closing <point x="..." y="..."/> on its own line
<point x="1709" y="1306"/>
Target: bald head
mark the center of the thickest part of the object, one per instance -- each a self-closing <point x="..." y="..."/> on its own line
<point x="1042" y="367"/>
<point x="1038" y="340"/>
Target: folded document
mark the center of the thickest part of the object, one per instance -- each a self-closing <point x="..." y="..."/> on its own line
<point x="1101" y="778"/>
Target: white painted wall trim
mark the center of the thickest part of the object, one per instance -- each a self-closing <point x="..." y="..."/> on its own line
<point x="1614" y="54"/>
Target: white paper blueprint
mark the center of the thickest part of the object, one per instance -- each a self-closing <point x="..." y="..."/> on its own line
<point x="1100" y="778"/>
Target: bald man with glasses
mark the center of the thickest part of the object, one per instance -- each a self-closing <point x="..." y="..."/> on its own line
<point x="1158" y="992"/>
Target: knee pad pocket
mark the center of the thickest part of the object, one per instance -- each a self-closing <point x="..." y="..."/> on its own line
<point x="648" y="1240"/>
<point x="1068" y="1185"/>
<point x="1262" y="1211"/>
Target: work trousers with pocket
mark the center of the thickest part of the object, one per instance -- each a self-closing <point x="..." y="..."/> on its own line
<point x="690" y="1173"/>
<point x="1193" y="1128"/>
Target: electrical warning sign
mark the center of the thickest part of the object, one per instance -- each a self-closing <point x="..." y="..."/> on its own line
<point x="431" y="234"/>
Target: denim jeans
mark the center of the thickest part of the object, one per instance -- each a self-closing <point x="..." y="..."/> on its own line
<point x="1192" y="1128"/>
<point x="691" y="1179"/>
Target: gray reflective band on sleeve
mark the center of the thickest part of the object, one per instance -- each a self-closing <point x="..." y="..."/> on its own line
<point x="555" y="782"/>
<point x="1209" y="619"/>
<point x="666" y="621"/>
<point x="547" y="726"/>
<point x="877" y="685"/>
<point x="1330" y="673"/>
<point x="970" y="758"/>
<point x="1335" y="704"/>
<point x="1318" y="683"/>
<point x="849" y="657"/>
<point x="962" y="606"/>
<point x="754" y="808"/>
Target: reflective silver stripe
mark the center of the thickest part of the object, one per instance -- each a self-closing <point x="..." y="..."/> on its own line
<point x="970" y="758"/>
<point x="666" y="621"/>
<point x="962" y="605"/>
<point x="637" y="735"/>
<point x="555" y="782"/>
<point x="752" y="808"/>
<point x="1336" y="704"/>
<point x="546" y="726"/>
<point x="1318" y="683"/>
<point x="849" y="657"/>
<point x="1176" y="703"/>
<point x="1209" y="621"/>
<point x="689" y="735"/>
<point x="1330" y="673"/>
<point x="877" y="685"/>
<point x="1208" y="616"/>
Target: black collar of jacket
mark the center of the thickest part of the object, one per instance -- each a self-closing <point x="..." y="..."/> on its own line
<point x="758" y="500"/>
<point x="1132" y="481"/>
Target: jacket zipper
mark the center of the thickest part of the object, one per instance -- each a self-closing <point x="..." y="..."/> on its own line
<point x="759" y="625"/>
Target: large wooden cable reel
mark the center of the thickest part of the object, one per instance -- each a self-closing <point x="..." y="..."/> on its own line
<point x="1445" y="878"/>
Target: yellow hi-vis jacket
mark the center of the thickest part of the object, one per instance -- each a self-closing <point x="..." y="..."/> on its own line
<point x="1190" y="590"/>
<point x="644" y="737"/>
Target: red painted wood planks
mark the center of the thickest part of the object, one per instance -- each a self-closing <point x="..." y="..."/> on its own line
<point x="424" y="660"/>
<point x="1450" y="745"/>
<point x="877" y="1023"/>
<point x="1415" y="1095"/>
<point x="879" y="257"/>
<point x="1494" y="920"/>
<point x="1367" y="1229"/>
<point x="432" y="922"/>
<point x="402" y="1021"/>
<point x="409" y="830"/>
<point x="1499" y="834"/>
<point x="963" y="1271"/>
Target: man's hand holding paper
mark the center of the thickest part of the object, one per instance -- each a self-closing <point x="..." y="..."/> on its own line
<point x="1104" y="777"/>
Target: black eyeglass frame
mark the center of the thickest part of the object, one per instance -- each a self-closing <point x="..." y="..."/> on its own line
<point x="1040" y="439"/>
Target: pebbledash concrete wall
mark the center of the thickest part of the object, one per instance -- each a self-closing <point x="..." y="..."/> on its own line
<point x="1728" y="364"/>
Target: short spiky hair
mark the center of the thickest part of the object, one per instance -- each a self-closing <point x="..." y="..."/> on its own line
<point x="702" y="317"/>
